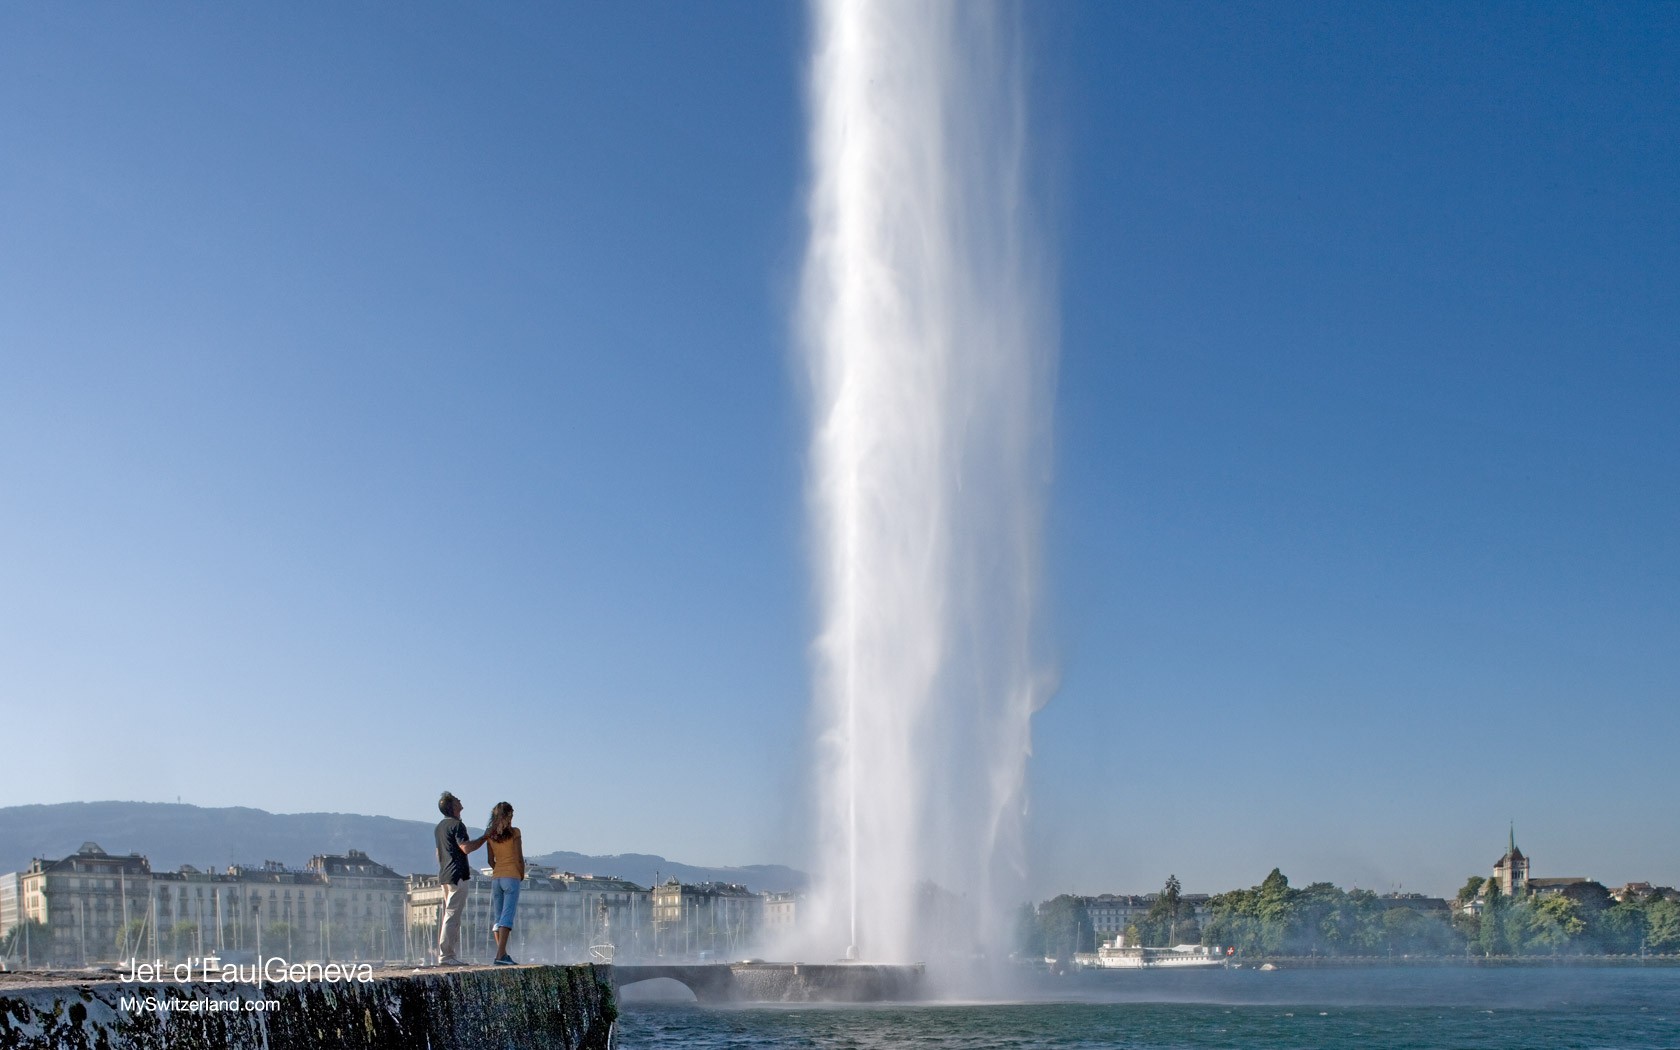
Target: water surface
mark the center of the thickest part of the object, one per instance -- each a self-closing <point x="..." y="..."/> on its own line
<point x="1378" y="1009"/>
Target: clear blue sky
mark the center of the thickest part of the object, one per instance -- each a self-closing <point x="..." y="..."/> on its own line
<point x="398" y="398"/>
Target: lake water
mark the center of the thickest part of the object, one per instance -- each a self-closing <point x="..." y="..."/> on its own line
<point x="1371" y="1009"/>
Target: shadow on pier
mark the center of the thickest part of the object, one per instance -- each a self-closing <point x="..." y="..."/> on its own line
<point x="757" y="982"/>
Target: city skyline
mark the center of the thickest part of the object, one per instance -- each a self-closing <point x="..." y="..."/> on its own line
<point x="1511" y="873"/>
<point x="399" y="403"/>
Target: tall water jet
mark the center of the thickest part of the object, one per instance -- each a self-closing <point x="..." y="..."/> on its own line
<point x="925" y="318"/>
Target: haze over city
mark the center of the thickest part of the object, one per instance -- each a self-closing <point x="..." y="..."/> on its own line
<point x="400" y="401"/>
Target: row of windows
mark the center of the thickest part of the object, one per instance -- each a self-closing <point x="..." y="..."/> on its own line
<point x="79" y="883"/>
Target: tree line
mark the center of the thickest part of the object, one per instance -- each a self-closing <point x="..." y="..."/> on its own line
<point x="1590" y="922"/>
<point x="1275" y="918"/>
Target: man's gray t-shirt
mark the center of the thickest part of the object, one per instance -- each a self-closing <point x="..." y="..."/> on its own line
<point x="452" y="861"/>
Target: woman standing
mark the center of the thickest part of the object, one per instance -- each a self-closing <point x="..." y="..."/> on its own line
<point x="507" y="873"/>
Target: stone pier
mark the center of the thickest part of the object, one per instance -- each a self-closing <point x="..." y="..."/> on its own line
<point x="761" y="982"/>
<point x="472" y="1008"/>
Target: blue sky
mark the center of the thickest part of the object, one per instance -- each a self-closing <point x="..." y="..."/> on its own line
<point x="392" y="399"/>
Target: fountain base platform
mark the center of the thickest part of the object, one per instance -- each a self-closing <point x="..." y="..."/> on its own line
<point x="767" y="982"/>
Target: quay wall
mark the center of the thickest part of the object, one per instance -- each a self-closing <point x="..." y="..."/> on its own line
<point x="505" y="1008"/>
<point x="1496" y="962"/>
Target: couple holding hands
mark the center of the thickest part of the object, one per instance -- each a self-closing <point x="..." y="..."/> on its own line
<point x="507" y="873"/>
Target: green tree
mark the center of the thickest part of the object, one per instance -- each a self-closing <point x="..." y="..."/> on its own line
<point x="1274" y="885"/>
<point x="1402" y="929"/>
<point x="1433" y="934"/>
<point x="1067" y="929"/>
<point x="1620" y="929"/>
<point x="1189" y="929"/>
<point x="1490" y="938"/>
<point x="1029" y="936"/>
<point x="1515" y="922"/>
<point x="1369" y="930"/>
<point x="1322" y="920"/>
<point x="1553" y="925"/>
<point x="182" y="938"/>
<point x="1172" y="900"/>
<point x="1231" y="923"/>
<point x="1254" y="921"/>
<point x="29" y="943"/>
<point x="1467" y="922"/>
<point x="1273" y="907"/>
<point x="1160" y="926"/>
<point x="1471" y="887"/>
<point x="1662" y="925"/>
<point x="1273" y="918"/>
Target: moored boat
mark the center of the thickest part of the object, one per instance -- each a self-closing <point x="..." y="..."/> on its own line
<point x="1118" y="955"/>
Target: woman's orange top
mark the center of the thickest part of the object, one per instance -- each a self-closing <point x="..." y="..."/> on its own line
<point x="507" y="857"/>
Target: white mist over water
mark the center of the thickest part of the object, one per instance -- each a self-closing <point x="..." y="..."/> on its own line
<point x="931" y="356"/>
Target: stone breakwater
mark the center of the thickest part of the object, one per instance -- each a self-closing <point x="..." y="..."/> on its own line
<point x="785" y="982"/>
<point x="505" y="1008"/>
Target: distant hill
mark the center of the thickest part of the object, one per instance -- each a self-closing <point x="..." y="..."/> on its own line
<point x="173" y="834"/>
<point x="646" y="868"/>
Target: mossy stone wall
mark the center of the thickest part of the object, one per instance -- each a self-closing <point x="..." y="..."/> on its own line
<point x="511" y="1008"/>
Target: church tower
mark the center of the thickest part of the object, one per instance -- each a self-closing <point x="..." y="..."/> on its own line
<point x="1510" y="872"/>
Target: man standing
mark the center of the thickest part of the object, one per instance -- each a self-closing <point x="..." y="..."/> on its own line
<point x="453" y="873"/>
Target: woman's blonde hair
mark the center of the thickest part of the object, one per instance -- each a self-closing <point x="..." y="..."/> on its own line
<point x="500" y="826"/>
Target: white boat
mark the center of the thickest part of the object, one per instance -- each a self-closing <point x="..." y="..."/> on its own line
<point x="1118" y="955"/>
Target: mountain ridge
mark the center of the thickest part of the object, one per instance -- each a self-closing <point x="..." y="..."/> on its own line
<point x="170" y="834"/>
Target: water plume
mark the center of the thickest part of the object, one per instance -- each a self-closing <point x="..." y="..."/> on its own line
<point x="924" y="317"/>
